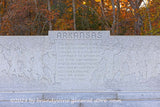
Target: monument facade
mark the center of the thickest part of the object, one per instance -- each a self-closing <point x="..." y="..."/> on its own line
<point x="79" y="61"/>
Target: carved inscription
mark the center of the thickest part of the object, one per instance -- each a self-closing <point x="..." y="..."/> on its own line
<point x="77" y="58"/>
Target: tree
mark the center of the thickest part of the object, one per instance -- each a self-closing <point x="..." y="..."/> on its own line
<point x="114" y="16"/>
<point x="122" y="17"/>
<point x="26" y="17"/>
<point x="135" y="4"/>
<point x="74" y="14"/>
<point x="49" y="9"/>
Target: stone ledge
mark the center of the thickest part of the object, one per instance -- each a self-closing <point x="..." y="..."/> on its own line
<point x="109" y="96"/>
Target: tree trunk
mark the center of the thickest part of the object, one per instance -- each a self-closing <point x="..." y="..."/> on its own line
<point x="138" y="23"/>
<point x="118" y="13"/>
<point x="138" y="20"/>
<point x="114" y="17"/>
<point x="49" y="9"/>
<point x="74" y="14"/>
<point x="149" y="17"/>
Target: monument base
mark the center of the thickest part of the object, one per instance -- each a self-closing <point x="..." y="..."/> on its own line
<point x="107" y="99"/>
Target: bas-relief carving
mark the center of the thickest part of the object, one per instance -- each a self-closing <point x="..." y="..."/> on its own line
<point x="133" y="66"/>
<point x="27" y="64"/>
<point x="122" y="64"/>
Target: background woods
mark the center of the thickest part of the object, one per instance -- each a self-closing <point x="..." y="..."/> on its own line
<point x="122" y="17"/>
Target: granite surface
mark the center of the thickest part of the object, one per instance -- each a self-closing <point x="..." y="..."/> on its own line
<point x="79" y="69"/>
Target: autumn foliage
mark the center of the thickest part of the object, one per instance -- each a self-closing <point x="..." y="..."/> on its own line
<point x="121" y="17"/>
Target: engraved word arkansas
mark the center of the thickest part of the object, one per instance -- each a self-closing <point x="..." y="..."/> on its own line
<point x="79" y="35"/>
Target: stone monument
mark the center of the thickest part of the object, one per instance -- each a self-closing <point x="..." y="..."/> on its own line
<point x="92" y="63"/>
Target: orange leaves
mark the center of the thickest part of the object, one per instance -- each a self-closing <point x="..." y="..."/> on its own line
<point x="25" y="17"/>
<point x="33" y="17"/>
<point x="98" y="0"/>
